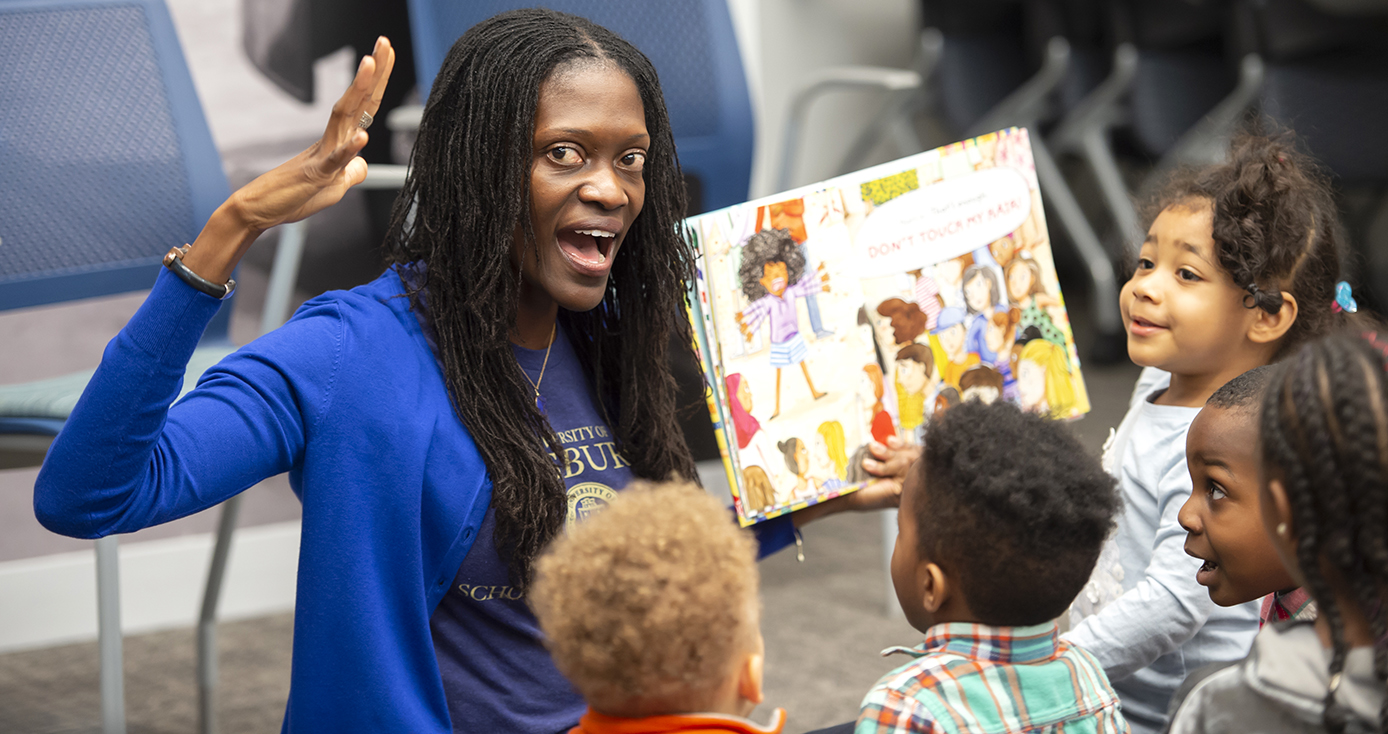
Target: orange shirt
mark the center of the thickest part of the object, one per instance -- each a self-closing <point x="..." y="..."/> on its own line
<point x="950" y="372"/>
<point x="596" y="723"/>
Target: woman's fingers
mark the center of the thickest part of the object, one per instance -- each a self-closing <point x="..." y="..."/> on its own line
<point x="351" y="175"/>
<point x="384" y="56"/>
<point x="888" y="461"/>
<point x="318" y="177"/>
<point x="879" y="494"/>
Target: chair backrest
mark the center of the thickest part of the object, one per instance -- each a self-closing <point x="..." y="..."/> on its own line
<point x="106" y="160"/>
<point x="694" y="49"/>
<point x="1327" y="79"/>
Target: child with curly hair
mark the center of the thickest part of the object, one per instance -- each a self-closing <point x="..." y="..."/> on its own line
<point x="650" y="609"/>
<point x="772" y="278"/>
<point x="1001" y="520"/>
<point x="1238" y="269"/>
<point x="1324" y="497"/>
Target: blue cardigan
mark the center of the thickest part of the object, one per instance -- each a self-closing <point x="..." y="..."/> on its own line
<point x="348" y="398"/>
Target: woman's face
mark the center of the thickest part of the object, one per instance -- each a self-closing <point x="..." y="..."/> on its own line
<point x="976" y="293"/>
<point x="586" y="186"/>
<point x="802" y="458"/>
<point x="1019" y="282"/>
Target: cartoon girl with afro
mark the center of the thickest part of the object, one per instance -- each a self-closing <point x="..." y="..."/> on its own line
<point x="771" y="275"/>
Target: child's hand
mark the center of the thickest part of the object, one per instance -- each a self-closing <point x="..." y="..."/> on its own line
<point x="742" y="326"/>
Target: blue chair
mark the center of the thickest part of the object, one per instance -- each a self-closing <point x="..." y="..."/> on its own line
<point x="693" y="47"/>
<point x="106" y="162"/>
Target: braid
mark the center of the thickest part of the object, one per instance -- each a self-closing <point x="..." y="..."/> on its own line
<point x="451" y="238"/>
<point x="1325" y="429"/>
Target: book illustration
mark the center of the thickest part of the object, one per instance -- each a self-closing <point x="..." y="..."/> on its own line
<point x="852" y="310"/>
<point x="773" y="278"/>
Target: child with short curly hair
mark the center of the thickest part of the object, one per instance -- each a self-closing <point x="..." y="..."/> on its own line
<point x="1001" y="520"/>
<point x="650" y="609"/>
<point x="1239" y="267"/>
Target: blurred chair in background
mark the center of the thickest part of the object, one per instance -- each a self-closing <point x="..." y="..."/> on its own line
<point x="107" y="164"/>
<point x="694" y="49"/>
<point x="1326" y="77"/>
<point x="982" y="66"/>
<point x="283" y="39"/>
<point x="1174" y="89"/>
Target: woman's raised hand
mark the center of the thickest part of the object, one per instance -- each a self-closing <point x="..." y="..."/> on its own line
<point x="307" y="183"/>
<point x="318" y="177"/>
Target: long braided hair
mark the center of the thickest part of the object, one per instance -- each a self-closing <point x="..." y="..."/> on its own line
<point x="469" y="185"/>
<point x="1325" y="430"/>
<point x="1275" y="225"/>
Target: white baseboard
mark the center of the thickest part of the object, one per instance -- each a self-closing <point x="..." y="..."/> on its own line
<point x="51" y="600"/>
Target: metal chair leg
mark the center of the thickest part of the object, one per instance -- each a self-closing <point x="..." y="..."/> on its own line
<point x="1085" y="131"/>
<point x="1208" y="141"/>
<point x="283" y="275"/>
<point x="207" y="620"/>
<point x="109" y="635"/>
<point x="1067" y="208"/>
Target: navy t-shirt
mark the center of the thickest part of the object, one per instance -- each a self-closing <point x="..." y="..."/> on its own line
<point x="496" y="672"/>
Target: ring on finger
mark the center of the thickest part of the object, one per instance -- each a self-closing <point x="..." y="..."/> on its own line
<point x="365" y="120"/>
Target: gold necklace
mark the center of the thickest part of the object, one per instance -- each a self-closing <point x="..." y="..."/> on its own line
<point x="539" y="401"/>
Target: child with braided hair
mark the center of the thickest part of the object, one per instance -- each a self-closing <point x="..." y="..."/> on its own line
<point x="1239" y="267"/>
<point x="1324" y="498"/>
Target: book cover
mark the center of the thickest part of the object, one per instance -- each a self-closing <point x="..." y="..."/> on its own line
<point x="854" y="309"/>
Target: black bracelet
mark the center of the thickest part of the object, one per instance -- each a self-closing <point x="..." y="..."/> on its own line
<point x="174" y="261"/>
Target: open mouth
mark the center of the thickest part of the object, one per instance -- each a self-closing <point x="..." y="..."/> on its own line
<point x="1142" y="327"/>
<point x="1206" y="573"/>
<point x="588" y="249"/>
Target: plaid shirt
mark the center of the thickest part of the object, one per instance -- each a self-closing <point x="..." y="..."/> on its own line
<point x="976" y="678"/>
<point x="1296" y="604"/>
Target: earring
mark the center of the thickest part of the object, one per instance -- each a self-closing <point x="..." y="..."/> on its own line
<point x="1282" y="529"/>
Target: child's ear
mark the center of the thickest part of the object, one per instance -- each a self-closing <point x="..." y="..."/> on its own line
<point x="1277" y="520"/>
<point x="938" y="587"/>
<point x="749" y="679"/>
<point x="1269" y="327"/>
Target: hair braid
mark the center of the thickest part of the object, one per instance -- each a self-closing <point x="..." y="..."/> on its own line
<point x="1325" y="429"/>
<point x="451" y="236"/>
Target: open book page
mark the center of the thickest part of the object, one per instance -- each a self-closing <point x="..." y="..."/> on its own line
<point x="851" y="310"/>
<point x="961" y="286"/>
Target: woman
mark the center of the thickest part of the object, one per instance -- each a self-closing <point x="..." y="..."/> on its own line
<point x="442" y="423"/>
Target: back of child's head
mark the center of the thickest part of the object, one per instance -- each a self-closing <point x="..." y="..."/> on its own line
<point x="1324" y="436"/>
<point x="648" y="605"/>
<point x="1014" y="508"/>
<point x="1275" y="226"/>
<point x="1244" y="393"/>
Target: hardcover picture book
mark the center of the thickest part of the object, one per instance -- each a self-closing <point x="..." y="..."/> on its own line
<point x="853" y="309"/>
